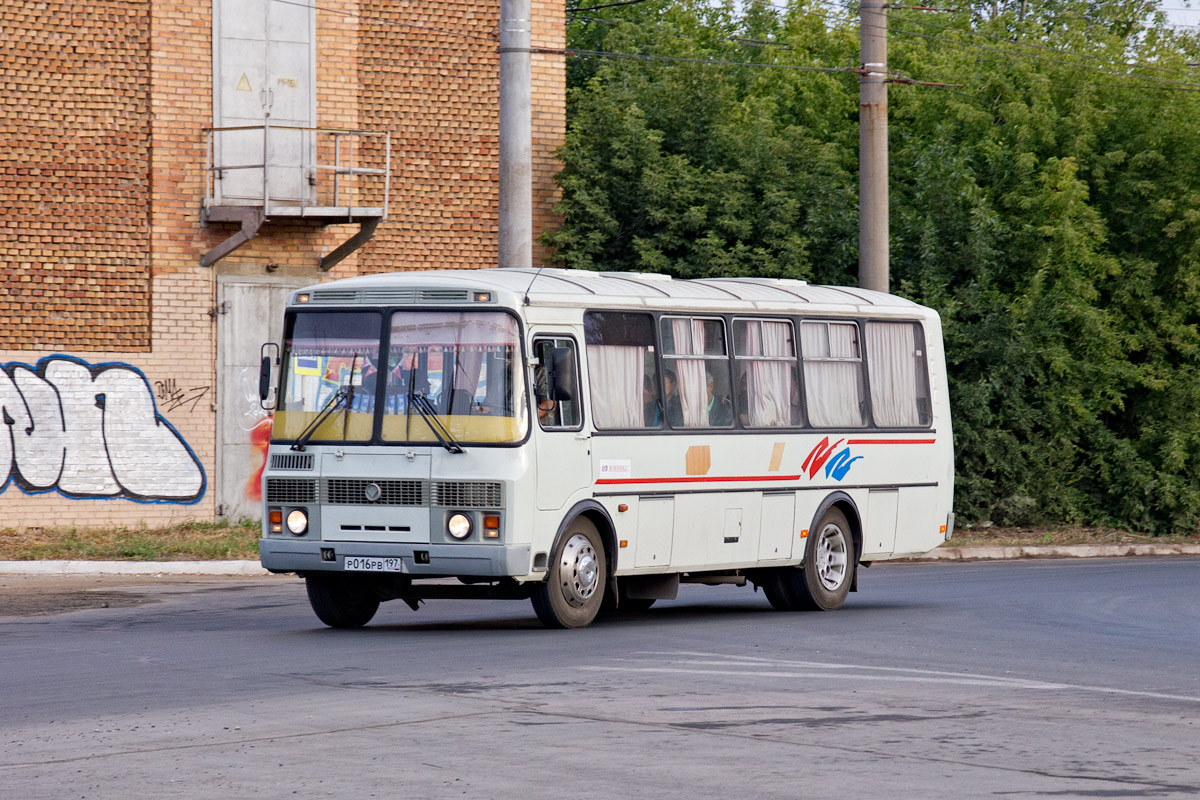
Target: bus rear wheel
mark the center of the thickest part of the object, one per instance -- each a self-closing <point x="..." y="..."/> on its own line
<point x="573" y="592"/>
<point x="339" y="602"/>
<point x="828" y="572"/>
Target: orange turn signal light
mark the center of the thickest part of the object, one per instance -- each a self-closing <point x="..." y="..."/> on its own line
<point x="491" y="526"/>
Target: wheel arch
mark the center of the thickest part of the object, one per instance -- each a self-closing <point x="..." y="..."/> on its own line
<point x="844" y="503"/>
<point x="596" y="514"/>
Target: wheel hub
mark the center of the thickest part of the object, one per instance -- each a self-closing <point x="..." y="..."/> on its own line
<point x="580" y="570"/>
<point x="831" y="557"/>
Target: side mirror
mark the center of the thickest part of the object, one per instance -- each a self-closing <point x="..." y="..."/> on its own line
<point x="270" y="359"/>
<point x="562" y="373"/>
<point x="264" y="379"/>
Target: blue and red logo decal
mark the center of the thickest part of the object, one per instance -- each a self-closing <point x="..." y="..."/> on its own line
<point x="836" y="462"/>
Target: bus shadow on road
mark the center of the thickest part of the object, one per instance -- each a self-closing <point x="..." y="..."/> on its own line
<point x="401" y="620"/>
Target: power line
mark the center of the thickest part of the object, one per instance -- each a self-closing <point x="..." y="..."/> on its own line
<point x="1023" y="43"/>
<point x="1011" y="54"/>
<point x="607" y="5"/>
<point x="574" y="53"/>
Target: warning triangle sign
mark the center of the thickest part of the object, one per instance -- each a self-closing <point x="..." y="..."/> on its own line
<point x="244" y="84"/>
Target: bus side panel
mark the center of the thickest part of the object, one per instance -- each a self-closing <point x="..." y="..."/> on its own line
<point x="777" y="529"/>
<point x="715" y="531"/>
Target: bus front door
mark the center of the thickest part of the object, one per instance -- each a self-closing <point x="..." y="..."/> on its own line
<point x="563" y="447"/>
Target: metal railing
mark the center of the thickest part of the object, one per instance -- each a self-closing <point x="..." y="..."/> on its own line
<point x="347" y="191"/>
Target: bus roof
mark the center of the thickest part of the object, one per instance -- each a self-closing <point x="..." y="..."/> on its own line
<point x="582" y="288"/>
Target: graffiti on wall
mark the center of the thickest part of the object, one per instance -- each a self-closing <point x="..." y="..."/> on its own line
<point x="255" y="422"/>
<point x="172" y="396"/>
<point x="91" y="431"/>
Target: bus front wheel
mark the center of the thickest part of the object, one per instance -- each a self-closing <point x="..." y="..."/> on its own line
<point x="340" y="603"/>
<point x="573" y="591"/>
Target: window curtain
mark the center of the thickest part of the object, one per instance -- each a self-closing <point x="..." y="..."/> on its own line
<point x="616" y="379"/>
<point x="833" y="389"/>
<point x="769" y="383"/>
<point x="690" y="375"/>
<point x="468" y="364"/>
<point x="892" y="368"/>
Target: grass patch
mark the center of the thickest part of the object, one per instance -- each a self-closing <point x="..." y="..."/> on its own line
<point x="1032" y="537"/>
<point x="188" y="541"/>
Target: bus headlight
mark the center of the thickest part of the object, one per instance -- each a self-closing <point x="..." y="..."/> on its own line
<point x="459" y="526"/>
<point x="297" y="521"/>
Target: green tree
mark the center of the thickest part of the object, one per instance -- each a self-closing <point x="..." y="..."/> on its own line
<point x="1049" y="209"/>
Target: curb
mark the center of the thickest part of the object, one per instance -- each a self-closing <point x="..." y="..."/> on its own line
<point x="1055" y="551"/>
<point x="254" y="569"/>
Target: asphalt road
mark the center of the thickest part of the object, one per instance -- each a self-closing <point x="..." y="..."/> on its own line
<point x="1013" y="680"/>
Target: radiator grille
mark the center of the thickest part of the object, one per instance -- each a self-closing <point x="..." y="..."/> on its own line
<point x="467" y="495"/>
<point x="291" y="490"/>
<point x="353" y="491"/>
<point x="291" y="460"/>
<point x="349" y="491"/>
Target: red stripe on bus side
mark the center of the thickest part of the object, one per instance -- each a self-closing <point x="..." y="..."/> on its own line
<point x="891" y="441"/>
<point x="700" y="479"/>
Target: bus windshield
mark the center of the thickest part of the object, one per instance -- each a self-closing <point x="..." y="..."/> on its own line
<point x="467" y="365"/>
<point x="458" y="372"/>
<point x="329" y="364"/>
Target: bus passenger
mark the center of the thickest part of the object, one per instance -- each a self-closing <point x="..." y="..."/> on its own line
<point x="541" y="392"/>
<point x="720" y="410"/>
<point x="651" y="408"/>
<point x="672" y="403"/>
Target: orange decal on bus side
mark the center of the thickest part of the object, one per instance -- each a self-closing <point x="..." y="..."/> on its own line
<point x="698" y="460"/>
<point x="776" y="457"/>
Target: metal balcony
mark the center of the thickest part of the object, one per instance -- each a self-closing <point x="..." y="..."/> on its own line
<point x="329" y="176"/>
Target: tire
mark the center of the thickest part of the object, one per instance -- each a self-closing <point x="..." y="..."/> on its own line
<point x="340" y="602"/>
<point x="775" y="585"/>
<point x="828" y="572"/>
<point x="829" y="563"/>
<point x="573" y="592"/>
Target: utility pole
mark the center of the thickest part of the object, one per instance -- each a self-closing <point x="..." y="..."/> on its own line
<point x="873" y="148"/>
<point x="516" y="138"/>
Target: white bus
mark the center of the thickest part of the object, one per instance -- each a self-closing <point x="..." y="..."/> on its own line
<point x="591" y="440"/>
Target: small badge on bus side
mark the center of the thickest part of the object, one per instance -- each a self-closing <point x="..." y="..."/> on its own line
<point x="616" y="468"/>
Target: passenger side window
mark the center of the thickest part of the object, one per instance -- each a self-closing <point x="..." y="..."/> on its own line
<point x="898" y="375"/>
<point x="833" y="374"/>
<point x="556" y="384"/>
<point x="696" y="390"/>
<point x="768" y="386"/>
<point x="621" y="370"/>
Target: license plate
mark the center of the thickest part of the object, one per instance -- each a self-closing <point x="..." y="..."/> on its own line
<point x="363" y="564"/>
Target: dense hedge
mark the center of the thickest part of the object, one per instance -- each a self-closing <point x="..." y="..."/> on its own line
<point x="1049" y="208"/>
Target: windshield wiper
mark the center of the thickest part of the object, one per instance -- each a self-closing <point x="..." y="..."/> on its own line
<point x="331" y="405"/>
<point x="430" y="415"/>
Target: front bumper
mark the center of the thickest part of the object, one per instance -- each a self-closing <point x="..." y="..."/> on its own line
<point x="287" y="555"/>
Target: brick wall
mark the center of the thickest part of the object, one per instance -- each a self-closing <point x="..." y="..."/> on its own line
<point x="74" y="175"/>
<point x="102" y="174"/>
<point x="429" y="73"/>
<point x="549" y="114"/>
